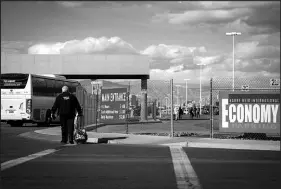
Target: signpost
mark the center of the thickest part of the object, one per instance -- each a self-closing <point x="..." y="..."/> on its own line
<point x="251" y="112"/>
<point x="114" y="105"/>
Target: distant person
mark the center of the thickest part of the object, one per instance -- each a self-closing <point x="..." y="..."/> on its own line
<point x="176" y="112"/>
<point x="67" y="104"/>
<point x="180" y="113"/>
<point x="195" y="111"/>
<point x="191" y="112"/>
<point x="198" y="113"/>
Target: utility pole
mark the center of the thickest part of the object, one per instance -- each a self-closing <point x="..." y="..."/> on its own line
<point x="128" y="109"/>
<point x="97" y="104"/>
<point x="233" y="34"/>
<point x="172" y="105"/>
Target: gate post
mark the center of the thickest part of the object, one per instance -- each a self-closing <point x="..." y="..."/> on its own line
<point x="143" y="100"/>
<point x="211" y="107"/>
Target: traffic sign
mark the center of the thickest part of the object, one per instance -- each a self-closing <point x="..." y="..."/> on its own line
<point x="245" y="88"/>
<point x="274" y="82"/>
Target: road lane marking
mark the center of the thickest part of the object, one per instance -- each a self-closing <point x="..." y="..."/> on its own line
<point x="14" y="162"/>
<point x="239" y="161"/>
<point x="185" y="174"/>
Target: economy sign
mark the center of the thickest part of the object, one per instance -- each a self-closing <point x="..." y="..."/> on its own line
<point x="113" y="105"/>
<point x="249" y="112"/>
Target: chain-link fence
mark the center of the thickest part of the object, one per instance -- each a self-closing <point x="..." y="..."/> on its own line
<point x="88" y="105"/>
<point x="254" y="85"/>
<point x="188" y="98"/>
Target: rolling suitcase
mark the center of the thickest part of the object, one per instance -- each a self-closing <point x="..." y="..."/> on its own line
<point x="80" y="134"/>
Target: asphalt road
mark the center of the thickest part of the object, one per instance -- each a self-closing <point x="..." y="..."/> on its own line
<point x="13" y="146"/>
<point x="232" y="169"/>
<point x="109" y="166"/>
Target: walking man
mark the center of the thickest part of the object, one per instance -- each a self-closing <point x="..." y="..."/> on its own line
<point x="67" y="104"/>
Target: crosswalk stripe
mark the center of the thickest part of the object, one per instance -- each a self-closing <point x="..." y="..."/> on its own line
<point x="184" y="172"/>
<point x="14" y="162"/>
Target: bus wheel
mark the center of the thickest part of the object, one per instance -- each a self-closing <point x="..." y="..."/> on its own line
<point x="16" y="123"/>
<point x="48" y="118"/>
<point x="47" y="121"/>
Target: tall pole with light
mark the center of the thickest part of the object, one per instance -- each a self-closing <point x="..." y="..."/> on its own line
<point x="233" y="34"/>
<point x="178" y="103"/>
<point x="166" y="98"/>
<point x="200" y="85"/>
<point x="186" y="91"/>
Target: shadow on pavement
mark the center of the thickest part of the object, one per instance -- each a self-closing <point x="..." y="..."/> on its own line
<point x="106" y="139"/>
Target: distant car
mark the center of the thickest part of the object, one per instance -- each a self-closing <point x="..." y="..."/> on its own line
<point x="186" y="112"/>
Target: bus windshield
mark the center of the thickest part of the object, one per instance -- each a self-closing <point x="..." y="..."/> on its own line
<point x="13" y="81"/>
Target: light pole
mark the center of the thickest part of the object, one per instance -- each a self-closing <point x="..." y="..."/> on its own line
<point x="200" y="85"/>
<point x="186" y="91"/>
<point x="233" y="35"/>
<point x="178" y="103"/>
<point x="166" y="98"/>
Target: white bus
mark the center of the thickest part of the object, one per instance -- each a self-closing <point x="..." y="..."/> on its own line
<point x="28" y="98"/>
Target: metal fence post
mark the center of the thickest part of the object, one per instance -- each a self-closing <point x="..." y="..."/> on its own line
<point x="211" y="107"/>
<point x="128" y="109"/>
<point x="96" y="108"/>
<point x="172" y="116"/>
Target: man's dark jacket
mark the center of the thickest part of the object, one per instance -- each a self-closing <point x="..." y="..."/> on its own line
<point x="67" y="104"/>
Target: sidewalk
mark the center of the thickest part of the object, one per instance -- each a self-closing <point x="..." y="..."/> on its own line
<point x="114" y="137"/>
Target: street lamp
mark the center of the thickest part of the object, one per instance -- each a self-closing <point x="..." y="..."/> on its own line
<point x="186" y="91"/>
<point x="166" y="98"/>
<point x="178" y="94"/>
<point x="200" y="84"/>
<point x="233" y="35"/>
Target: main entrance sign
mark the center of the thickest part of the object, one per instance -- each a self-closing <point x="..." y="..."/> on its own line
<point x="113" y="105"/>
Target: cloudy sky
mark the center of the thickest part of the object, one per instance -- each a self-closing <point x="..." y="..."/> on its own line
<point x="175" y="35"/>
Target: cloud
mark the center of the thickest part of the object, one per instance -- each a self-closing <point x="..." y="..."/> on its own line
<point x="253" y="50"/>
<point x="267" y="39"/>
<point x="270" y="17"/>
<point x="208" y="16"/>
<point x="70" y="4"/>
<point x="15" y="47"/>
<point x="89" y="45"/>
<point x="247" y="17"/>
<point x="232" y="4"/>
<point x="172" y="57"/>
<point x="259" y="65"/>
<point x="208" y="60"/>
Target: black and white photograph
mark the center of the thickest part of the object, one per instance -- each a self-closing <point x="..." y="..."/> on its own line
<point x="140" y="94"/>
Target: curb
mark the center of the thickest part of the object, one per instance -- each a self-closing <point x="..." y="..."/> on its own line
<point x="92" y="127"/>
<point x="95" y="140"/>
<point x="233" y="146"/>
<point x="38" y="136"/>
<point x="178" y="144"/>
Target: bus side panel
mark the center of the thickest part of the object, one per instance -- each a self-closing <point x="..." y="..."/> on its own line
<point x="40" y="105"/>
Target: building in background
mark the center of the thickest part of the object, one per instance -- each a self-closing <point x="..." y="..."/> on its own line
<point x="133" y="100"/>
